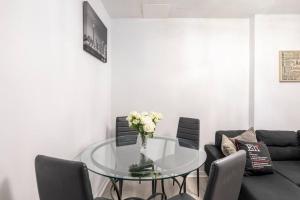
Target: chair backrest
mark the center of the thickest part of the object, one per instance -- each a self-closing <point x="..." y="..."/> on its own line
<point x="225" y="177"/>
<point x="189" y="129"/>
<point x="122" y="127"/>
<point x="62" y="179"/>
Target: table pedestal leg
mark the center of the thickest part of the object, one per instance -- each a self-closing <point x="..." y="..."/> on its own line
<point x="121" y="187"/>
<point x="154" y="183"/>
<point x="183" y="185"/>
<point x="115" y="187"/>
<point x="163" y="188"/>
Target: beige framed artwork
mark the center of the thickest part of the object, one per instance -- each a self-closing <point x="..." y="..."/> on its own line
<point x="289" y="64"/>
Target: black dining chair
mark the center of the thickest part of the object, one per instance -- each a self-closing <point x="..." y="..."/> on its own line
<point x="189" y="130"/>
<point x="124" y="134"/>
<point x="59" y="179"/>
<point x="127" y="136"/>
<point x="62" y="179"/>
<point x="122" y="127"/>
<point x="225" y="179"/>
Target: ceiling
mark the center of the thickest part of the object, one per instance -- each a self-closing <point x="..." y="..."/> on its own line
<point x="198" y="8"/>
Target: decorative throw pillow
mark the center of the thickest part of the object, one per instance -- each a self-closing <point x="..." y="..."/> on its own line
<point x="258" y="160"/>
<point x="227" y="146"/>
<point x="247" y="136"/>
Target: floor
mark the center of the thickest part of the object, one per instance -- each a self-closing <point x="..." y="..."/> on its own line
<point x="143" y="190"/>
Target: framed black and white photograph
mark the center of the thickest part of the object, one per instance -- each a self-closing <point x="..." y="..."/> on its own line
<point x="94" y="33"/>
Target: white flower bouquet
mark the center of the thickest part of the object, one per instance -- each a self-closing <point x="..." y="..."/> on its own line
<point x="145" y="123"/>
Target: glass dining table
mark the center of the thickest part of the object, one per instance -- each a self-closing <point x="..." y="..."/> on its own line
<point x="122" y="158"/>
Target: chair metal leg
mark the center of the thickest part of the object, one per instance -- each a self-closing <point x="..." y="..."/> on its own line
<point x="198" y="187"/>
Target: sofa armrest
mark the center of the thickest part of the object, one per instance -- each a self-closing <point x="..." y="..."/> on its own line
<point x="213" y="153"/>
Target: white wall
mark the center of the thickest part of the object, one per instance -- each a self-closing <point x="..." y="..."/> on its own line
<point x="276" y="104"/>
<point x="54" y="97"/>
<point x="183" y="67"/>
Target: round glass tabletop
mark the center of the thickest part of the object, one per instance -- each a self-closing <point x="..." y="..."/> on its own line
<point x="123" y="158"/>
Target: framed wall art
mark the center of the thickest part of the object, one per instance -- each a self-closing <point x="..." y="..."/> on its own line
<point x="289" y="63"/>
<point x="94" y="33"/>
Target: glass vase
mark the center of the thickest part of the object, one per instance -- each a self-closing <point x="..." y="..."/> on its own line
<point x="143" y="142"/>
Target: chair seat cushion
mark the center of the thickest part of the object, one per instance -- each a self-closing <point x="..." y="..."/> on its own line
<point x="183" y="196"/>
<point x="288" y="169"/>
<point x="270" y="186"/>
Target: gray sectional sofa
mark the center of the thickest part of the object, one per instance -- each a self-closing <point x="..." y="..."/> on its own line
<point x="284" y="148"/>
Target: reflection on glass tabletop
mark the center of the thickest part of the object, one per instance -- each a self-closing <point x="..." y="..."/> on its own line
<point x="163" y="157"/>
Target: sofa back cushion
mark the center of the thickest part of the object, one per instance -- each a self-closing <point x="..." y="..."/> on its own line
<point x="282" y="145"/>
<point x="278" y="138"/>
<point x="229" y="133"/>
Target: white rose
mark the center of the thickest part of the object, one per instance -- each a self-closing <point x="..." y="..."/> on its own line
<point x="159" y="116"/>
<point x="135" y="121"/>
<point x="156" y="117"/>
<point x="129" y="118"/>
<point x="133" y="113"/>
<point x="146" y="119"/>
<point x="149" y="127"/>
<point x="138" y="116"/>
<point x="152" y="115"/>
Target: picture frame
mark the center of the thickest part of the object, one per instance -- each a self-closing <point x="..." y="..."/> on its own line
<point x="289" y="66"/>
<point x="94" y="33"/>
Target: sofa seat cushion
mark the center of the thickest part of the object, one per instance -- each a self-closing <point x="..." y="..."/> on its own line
<point x="268" y="187"/>
<point x="288" y="169"/>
